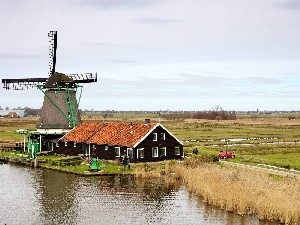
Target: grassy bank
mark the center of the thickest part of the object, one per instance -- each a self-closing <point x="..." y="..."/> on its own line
<point x="68" y="164"/>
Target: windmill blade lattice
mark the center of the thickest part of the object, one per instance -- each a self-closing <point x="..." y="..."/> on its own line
<point x="22" y="84"/>
<point x="52" y="35"/>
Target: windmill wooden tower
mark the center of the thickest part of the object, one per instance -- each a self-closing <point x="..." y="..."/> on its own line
<point x="60" y="108"/>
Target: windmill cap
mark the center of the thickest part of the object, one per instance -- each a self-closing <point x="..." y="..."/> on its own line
<point x="56" y="78"/>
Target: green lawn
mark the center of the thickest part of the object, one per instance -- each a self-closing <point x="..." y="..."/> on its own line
<point x="72" y="164"/>
<point x="288" y="160"/>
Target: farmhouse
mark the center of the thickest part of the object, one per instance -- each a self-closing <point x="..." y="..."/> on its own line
<point x="13" y="113"/>
<point x="141" y="142"/>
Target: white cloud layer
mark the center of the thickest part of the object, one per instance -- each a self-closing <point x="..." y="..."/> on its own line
<point x="158" y="54"/>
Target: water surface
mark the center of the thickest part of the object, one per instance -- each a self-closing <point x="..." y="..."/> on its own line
<point x="39" y="196"/>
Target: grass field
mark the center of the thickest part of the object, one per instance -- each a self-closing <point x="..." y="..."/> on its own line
<point x="270" y="139"/>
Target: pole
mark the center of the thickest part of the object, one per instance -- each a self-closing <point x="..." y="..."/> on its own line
<point x="159" y="117"/>
<point x="24" y="145"/>
<point x="40" y="142"/>
<point x="35" y="162"/>
<point x="226" y="147"/>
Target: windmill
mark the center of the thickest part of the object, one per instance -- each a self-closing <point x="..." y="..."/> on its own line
<point x="60" y="107"/>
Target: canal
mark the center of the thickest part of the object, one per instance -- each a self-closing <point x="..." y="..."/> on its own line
<point x="40" y="196"/>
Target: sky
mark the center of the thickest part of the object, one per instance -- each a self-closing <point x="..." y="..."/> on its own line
<point x="158" y="54"/>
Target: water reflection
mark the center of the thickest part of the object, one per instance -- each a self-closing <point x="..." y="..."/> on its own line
<point x="57" y="195"/>
<point x="19" y="203"/>
<point x="30" y="196"/>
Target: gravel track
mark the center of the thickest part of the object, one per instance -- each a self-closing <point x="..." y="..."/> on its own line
<point x="295" y="174"/>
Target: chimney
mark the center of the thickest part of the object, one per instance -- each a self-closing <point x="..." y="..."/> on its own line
<point x="147" y="121"/>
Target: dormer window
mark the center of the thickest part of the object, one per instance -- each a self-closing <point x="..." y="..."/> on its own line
<point x="163" y="136"/>
<point x="154" y="136"/>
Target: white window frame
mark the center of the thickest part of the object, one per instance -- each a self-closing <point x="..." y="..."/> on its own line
<point x="153" y="151"/>
<point x="154" y="136"/>
<point x="176" y="149"/>
<point x="119" y="151"/>
<point x="57" y="145"/>
<point x="137" y="153"/>
<point x="66" y="144"/>
<point x="105" y="147"/>
<point x="74" y="144"/>
<point x="130" y="150"/>
<point x="163" y="136"/>
<point x="165" y="151"/>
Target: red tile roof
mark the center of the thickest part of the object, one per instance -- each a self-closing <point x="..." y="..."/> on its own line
<point x="121" y="134"/>
<point x="82" y="132"/>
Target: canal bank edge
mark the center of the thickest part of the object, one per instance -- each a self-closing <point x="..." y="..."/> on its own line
<point x="42" y="163"/>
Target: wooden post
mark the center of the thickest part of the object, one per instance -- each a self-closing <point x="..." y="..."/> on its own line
<point x="35" y="163"/>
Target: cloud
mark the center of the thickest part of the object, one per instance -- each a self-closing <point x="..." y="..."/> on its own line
<point x="289" y="4"/>
<point x="186" y="86"/>
<point x="121" y="61"/>
<point x="116" y="4"/>
<point x="157" y="21"/>
<point x="263" y="80"/>
<point x="209" y="80"/>
<point x="18" y="56"/>
<point x="102" y="44"/>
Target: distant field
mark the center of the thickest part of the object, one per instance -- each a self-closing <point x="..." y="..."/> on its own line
<point x="8" y="126"/>
<point x="272" y="139"/>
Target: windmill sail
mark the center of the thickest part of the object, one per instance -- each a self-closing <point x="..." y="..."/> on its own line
<point x="52" y="35"/>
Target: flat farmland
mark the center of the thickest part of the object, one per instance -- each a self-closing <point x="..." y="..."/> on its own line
<point x="272" y="140"/>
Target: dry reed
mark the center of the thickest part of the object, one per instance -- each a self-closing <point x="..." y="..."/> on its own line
<point x="271" y="198"/>
<point x="165" y="170"/>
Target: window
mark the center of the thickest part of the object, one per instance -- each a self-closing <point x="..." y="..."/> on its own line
<point x="84" y="149"/>
<point x="163" y="136"/>
<point x="163" y="151"/>
<point x="154" y="136"/>
<point x="57" y="145"/>
<point x="155" y="152"/>
<point x="106" y="148"/>
<point x="74" y="144"/>
<point x="177" y="150"/>
<point x="94" y="147"/>
<point x="66" y="143"/>
<point x="129" y="153"/>
<point x="140" y="153"/>
<point x="117" y="151"/>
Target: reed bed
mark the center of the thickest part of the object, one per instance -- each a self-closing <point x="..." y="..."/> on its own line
<point x="271" y="198"/>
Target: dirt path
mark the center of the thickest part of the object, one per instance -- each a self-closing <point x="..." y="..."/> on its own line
<point x="267" y="170"/>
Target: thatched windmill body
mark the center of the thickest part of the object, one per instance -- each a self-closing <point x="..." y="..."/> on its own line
<point x="60" y="107"/>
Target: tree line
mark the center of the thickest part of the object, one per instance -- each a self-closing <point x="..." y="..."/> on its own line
<point x="217" y="113"/>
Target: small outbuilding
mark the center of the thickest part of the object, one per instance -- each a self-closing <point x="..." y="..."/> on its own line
<point x="146" y="142"/>
<point x="13" y="113"/>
